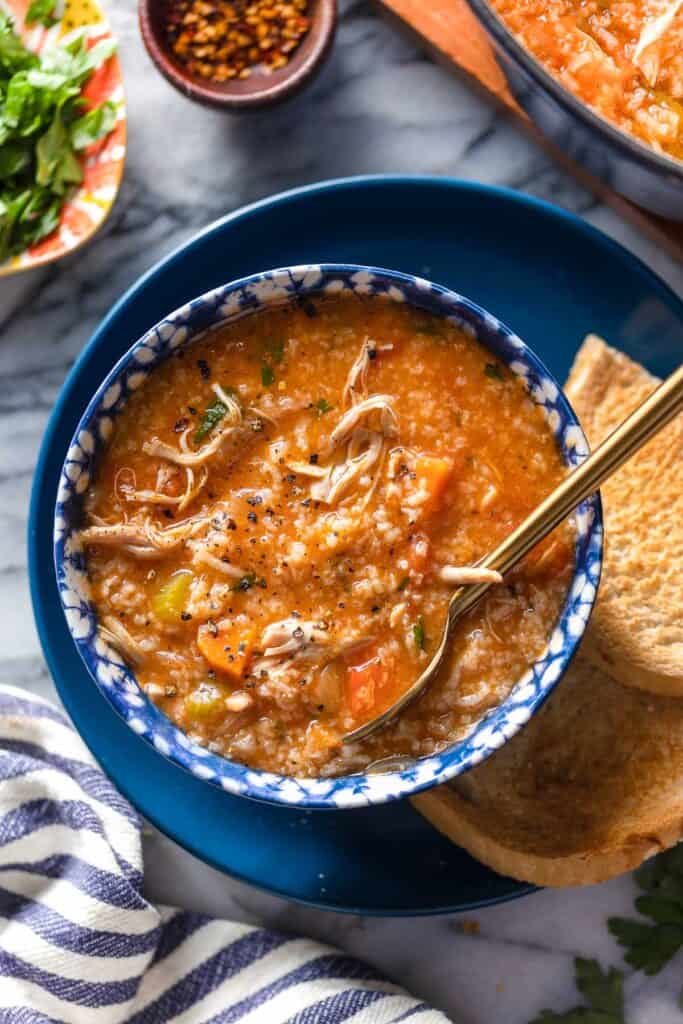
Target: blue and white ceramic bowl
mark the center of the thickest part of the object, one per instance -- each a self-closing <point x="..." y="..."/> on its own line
<point x="117" y="682"/>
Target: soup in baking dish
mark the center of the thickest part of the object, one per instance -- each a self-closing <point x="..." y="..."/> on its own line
<point x="624" y="58"/>
<point x="282" y="513"/>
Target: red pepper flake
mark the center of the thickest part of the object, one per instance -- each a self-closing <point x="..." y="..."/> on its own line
<point x="224" y="39"/>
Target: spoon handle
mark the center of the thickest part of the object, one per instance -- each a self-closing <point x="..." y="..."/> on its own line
<point x="632" y="434"/>
<point x="654" y="413"/>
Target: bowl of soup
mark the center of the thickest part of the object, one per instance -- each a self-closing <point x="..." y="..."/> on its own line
<point x="604" y="80"/>
<point x="264" y="511"/>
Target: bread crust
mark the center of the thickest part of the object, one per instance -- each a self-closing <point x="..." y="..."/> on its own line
<point x="637" y="624"/>
<point x="590" y="788"/>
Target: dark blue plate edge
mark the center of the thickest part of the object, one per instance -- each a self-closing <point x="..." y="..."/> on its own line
<point x="379" y="180"/>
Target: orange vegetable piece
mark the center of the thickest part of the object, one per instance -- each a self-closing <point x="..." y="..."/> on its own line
<point x="432" y="474"/>
<point x="226" y="647"/>
<point x="364" y="682"/>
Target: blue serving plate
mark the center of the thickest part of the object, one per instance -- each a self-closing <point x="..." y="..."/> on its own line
<point x="552" y="278"/>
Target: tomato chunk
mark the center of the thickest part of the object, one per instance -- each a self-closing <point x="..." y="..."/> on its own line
<point x="226" y="647"/>
<point x="364" y="682"/>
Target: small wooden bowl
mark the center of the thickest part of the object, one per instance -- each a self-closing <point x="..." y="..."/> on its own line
<point x="261" y="88"/>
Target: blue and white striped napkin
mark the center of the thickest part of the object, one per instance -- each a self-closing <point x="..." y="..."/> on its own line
<point x="80" y="944"/>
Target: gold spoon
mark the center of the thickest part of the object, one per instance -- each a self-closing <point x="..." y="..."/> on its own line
<point x="646" y="421"/>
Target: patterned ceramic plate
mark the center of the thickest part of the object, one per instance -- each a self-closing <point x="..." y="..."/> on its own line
<point x="88" y="207"/>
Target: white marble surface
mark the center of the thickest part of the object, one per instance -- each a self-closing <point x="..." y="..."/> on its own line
<point x="378" y="106"/>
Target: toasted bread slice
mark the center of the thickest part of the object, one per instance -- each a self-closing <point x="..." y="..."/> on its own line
<point x="590" y="788"/>
<point x="637" y="626"/>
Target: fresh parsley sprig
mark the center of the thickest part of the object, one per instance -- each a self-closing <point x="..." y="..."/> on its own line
<point x="649" y="947"/>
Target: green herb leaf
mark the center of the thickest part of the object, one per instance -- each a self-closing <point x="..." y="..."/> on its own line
<point x="246" y="582"/>
<point x="212" y="415"/>
<point x="419" y="634"/>
<point x="57" y="165"/>
<point x="649" y="947"/>
<point x="13" y="54"/>
<point x="494" y="371"/>
<point x="603" y="990"/>
<point x="93" y="126"/>
<point x="41" y="11"/>
<point x="404" y="583"/>
<point x="15" y="157"/>
<point x="604" y="993"/>
<point x="323" y="406"/>
<point x="267" y="375"/>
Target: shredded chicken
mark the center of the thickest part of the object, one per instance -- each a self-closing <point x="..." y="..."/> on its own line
<point x="185" y="456"/>
<point x="233" y="406"/>
<point x="137" y="535"/>
<point x="261" y="415"/>
<point x="118" y="637"/>
<point x="204" y="557"/>
<point x="357" y="380"/>
<point x="364" y="452"/>
<point x="148" y="497"/>
<point x="647" y="55"/>
<point x="309" y="469"/>
<point x="463" y="576"/>
<point x="357" y="413"/>
<point x="489" y="497"/>
<point x="292" y="635"/>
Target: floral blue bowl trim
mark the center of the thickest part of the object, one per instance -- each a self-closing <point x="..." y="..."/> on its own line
<point x="117" y="682"/>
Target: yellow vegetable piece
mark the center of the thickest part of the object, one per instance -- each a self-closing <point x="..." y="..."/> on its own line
<point x="205" y="702"/>
<point x="169" y="601"/>
<point x="226" y="647"/>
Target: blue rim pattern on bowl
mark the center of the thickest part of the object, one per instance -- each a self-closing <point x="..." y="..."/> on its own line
<point x="116" y="681"/>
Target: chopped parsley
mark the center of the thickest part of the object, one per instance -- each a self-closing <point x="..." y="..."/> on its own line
<point x="494" y="371"/>
<point x="42" y="11"/>
<point x="323" y="406"/>
<point x="419" y="634"/>
<point x="267" y="375"/>
<point x="212" y="415"/>
<point x="43" y="127"/>
<point x="403" y="584"/>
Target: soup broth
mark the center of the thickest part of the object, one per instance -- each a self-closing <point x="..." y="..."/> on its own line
<point x="282" y="513"/>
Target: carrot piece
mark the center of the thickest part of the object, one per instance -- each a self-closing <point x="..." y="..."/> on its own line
<point x="432" y="474"/>
<point x="364" y="681"/>
<point x="226" y="647"/>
